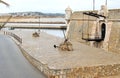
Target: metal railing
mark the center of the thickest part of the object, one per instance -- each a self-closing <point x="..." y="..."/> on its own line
<point x="14" y="36"/>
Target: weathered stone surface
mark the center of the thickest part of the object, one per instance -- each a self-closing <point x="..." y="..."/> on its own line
<point x="114" y="41"/>
<point x="82" y="62"/>
<point x="79" y="28"/>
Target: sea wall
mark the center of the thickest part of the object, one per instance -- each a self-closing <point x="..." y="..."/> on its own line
<point x="112" y="37"/>
<point x="93" y="71"/>
<point x="78" y="72"/>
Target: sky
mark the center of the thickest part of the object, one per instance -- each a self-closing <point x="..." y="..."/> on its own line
<point x="55" y="6"/>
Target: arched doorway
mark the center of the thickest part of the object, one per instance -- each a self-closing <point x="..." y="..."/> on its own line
<point x="103" y="31"/>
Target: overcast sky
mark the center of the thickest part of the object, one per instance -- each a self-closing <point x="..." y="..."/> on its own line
<point x="54" y="6"/>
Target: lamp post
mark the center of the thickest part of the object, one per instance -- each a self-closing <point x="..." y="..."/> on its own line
<point x="39" y="26"/>
<point x="106" y="3"/>
<point x="93" y="4"/>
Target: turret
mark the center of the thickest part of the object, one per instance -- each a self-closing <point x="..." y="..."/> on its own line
<point x="68" y="14"/>
<point x="103" y="11"/>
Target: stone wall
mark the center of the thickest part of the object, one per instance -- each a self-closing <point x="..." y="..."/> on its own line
<point x="114" y="14"/>
<point x="76" y="26"/>
<point x="79" y="72"/>
<point x="114" y="40"/>
<point x="112" y="32"/>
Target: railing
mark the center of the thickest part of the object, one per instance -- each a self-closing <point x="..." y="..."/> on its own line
<point x="14" y="36"/>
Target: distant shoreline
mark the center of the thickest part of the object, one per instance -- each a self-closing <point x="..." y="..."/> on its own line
<point x="24" y="17"/>
<point x="34" y="14"/>
<point x="31" y="19"/>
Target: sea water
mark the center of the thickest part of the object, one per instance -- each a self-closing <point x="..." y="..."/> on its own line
<point x="55" y="32"/>
<point x="58" y="33"/>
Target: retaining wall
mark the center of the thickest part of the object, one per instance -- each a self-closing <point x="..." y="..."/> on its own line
<point x="77" y="24"/>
